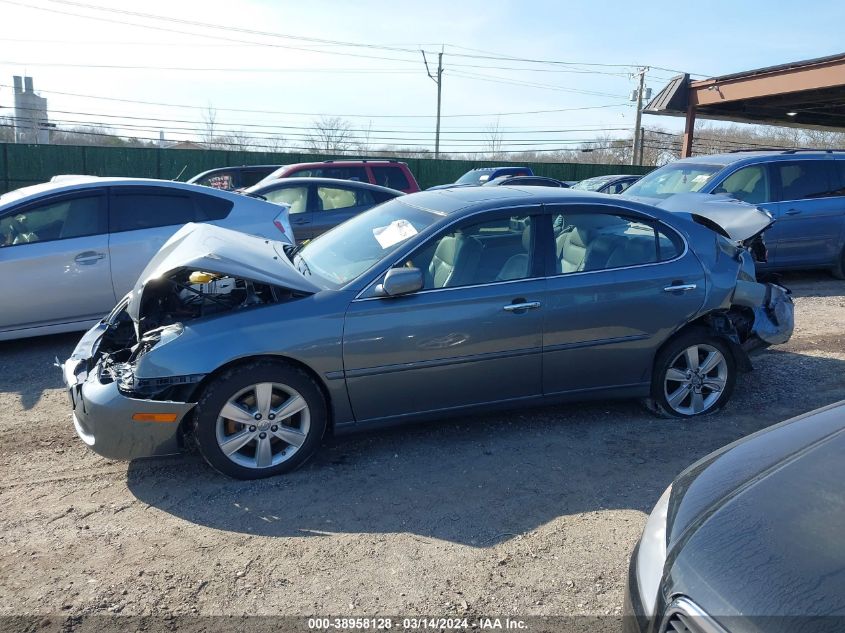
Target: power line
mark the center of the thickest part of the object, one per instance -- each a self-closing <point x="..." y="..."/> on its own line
<point x="324" y="114"/>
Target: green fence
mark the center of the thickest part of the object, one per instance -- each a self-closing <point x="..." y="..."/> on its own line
<point x="22" y="165"/>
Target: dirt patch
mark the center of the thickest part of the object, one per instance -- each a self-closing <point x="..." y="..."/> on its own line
<point x="527" y="512"/>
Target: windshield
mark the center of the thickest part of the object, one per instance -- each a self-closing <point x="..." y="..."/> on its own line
<point x="673" y="178"/>
<point x="352" y="248"/>
<point x="475" y="177"/>
<point x="593" y="184"/>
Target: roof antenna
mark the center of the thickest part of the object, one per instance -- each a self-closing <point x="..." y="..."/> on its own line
<point x="181" y="172"/>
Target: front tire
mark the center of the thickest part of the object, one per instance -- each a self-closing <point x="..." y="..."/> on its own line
<point x="259" y="420"/>
<point x="694" y="374"/>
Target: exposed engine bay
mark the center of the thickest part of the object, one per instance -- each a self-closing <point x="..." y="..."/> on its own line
<point x="166" y="304"/>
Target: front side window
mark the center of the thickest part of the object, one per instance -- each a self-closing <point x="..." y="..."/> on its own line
<point x="296" y="197"/>
<point x="338" y="198"/>
<point x="392" y="177"/>
<point x="673" y="178"/>
<point x="57" y="220"/>
<point x="479" y="253"/>
<point x="600" y="241"/>
<point x="749" y="184"/>
<point x="131" y="211"/>
<point x="339" y="256"/>
<point x="800" y="180"/>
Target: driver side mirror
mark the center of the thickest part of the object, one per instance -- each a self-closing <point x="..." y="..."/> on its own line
<point x="400" y="281"/>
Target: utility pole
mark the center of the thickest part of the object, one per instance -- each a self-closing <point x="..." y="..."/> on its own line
<point x="439" y="82"/>
<point x="637" y="150"/>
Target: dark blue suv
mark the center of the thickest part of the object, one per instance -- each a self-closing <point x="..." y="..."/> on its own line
<point x="803" y="189"/>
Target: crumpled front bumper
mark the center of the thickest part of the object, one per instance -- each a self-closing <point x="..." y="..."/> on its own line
<point x="103" y="416"/>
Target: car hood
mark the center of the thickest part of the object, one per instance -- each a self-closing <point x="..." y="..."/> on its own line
<point x="739" y="220"/>
<point x="210" y="248"/>
<point x="771" y="507"/>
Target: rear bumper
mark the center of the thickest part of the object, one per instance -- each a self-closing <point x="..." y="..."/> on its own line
<point x="103" y="417"/>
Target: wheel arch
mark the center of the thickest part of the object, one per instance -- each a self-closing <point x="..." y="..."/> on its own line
<point x="716" y="323"/>
<point x="186" y="425"/>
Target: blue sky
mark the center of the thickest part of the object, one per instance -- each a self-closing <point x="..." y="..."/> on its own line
<point x="387" y="91"/>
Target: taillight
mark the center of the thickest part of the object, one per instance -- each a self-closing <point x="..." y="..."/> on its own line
<point x="279" y="225"/>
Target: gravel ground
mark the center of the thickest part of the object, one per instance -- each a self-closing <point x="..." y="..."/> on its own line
<point x="528" y="513"/>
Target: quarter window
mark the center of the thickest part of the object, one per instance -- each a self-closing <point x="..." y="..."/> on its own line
<point x="804" y="179"/>
<point x="57" y="220"/>
<point x="599" y="241"/>
<point x="749" y="184"/>
<point x="392" y="177"/>
<point x="486" y="252"/>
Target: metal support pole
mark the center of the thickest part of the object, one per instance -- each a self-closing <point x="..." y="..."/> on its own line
<point x="689" y="133"/>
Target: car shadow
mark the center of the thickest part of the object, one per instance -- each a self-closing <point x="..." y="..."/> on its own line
<point x="26" y="365"/>
<point x="480" y="481"/>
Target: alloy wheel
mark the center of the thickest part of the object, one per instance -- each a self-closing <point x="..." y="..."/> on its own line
<point x="695" y="379"/>
<point x="263" y="425"/>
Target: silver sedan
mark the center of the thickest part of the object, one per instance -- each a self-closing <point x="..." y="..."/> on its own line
<point x="70" y="249"/>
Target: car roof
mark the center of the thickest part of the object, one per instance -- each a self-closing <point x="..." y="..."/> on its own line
<point x="309" y="180"/>
<point x="351" y="161"/>
<point x="89" y="182"/>
<point x="465" y="200"/>
<point x="755" y="155"/>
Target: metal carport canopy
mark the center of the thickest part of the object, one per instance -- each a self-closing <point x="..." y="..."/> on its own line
<point x="805" y="94"/>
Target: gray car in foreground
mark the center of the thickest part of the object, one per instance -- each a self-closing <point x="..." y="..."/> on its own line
<point x="750" y="538"/>
<point x="429" y="305"/>
<point x="70" y="249"/>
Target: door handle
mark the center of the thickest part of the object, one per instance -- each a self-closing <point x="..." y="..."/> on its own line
<point x="301" y="221"/>
<point x="793" y="212"/>
<point x="680" y="288"/>
<point x="519" y="307"/>
<point x="89" y="257"/>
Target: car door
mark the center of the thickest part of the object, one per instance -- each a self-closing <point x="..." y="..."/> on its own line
<point x="301" y="212"/>
<point x="54" y="261"/>
<point x="141" y="219"/>
<point x="472" y="335"/>
<point x="335" y="204"/>
<point x="619" y="284"/>
<point x="809" y="213"/>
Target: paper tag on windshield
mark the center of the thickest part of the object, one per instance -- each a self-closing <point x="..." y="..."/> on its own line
<point x="393" y="233"/>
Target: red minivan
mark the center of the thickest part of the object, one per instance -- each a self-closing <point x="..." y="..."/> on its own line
<point x="386" y="173"/>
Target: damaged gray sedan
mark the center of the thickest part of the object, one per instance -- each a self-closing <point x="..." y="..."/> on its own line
<point x="430" y="305"/>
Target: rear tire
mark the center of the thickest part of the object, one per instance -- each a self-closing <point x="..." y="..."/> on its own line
<point x="694" y="374"/>
<point x="259" y="420"/>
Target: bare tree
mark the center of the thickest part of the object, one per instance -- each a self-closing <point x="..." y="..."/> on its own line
<point x="330" y="135"/>
<point x="210" y="118"/>
<point x="493" y="137"/>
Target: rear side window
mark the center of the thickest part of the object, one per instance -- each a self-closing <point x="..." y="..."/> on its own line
<point x="800" y="180"/>
<point x="392" y="177"/>
<point x="601" y="241"/>
<point x="210" y="208"/>
<point x="134" y="210"/>
<point x="336" y="198"/>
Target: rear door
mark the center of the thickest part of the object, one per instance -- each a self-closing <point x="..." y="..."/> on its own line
<point x="54" y="261"/>
<point x="619" y="284"/>
<point x="809" y="213"/>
